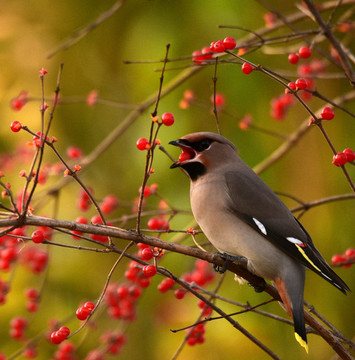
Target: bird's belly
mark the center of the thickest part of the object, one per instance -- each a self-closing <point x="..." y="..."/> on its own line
<point x="230" y="235"/>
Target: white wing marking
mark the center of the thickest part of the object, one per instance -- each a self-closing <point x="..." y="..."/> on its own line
<point x="294" y="240"/>
<point x="260" y="226"/>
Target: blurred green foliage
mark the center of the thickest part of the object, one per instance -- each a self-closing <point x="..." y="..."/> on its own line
<point x="140" y="31"/>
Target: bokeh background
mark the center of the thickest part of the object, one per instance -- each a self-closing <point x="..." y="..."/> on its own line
<point x="139" y="31"/>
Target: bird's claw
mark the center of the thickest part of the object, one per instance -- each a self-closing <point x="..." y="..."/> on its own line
<point x="258" y="287"/>
<point x="228" y="258"/>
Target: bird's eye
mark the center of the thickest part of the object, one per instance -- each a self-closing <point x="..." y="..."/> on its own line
<point x="203" y="144"/>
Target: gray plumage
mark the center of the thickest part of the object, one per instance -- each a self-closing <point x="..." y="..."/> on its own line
<point x="241" y="216"/>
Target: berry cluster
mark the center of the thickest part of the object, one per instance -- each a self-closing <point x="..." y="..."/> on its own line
<point x="158" y="223"/>
<point x="97" y="220"/>
<point x="113" y="341"/>
<point x="220" y="46"/>
<point x="4" y="289"/>
<point x="299" y="84"/>
<point x="166" y="285"/>
<point x="196" y="335"/>
<point x="304" y="52"/>
<point x="206" y="53"/>
<point x="121" y="298"/>
<point x="109" y="204"/>
<point x="18" y="326"/>
<point x="84" y="201"/>
<point x="33" y="297"/>
<point x="30" y="351"/>
<point x="65" y="351"/>
<point x="149" y="190"/>
<point x="202" y="275"/>
<point x="80" y="220"/>
<point x="280" y="105"/>
<point x="9" y="248"/>
<point x="84" y="311"/>
<point x="60" y="335"/>
<point x="34" y="258"/>
<point x="341" y="158"/>
<point x="345" y="260"/>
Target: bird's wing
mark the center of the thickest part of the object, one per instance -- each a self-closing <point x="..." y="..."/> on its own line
<point x="257" y="205"/>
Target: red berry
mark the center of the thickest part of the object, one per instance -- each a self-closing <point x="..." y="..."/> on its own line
<point x="217" y="46"/>
<point x="197" y="57"/>
<point x="166" y="284"/>
<point x="179" y="294"/>
<point x="146" y="254"/>
<point x="350" y="253"/>
<point x="16" y="126"/>
<point x="301" y="83"/>
<point x="337" y="259"/>
<point x="293" y="59"/>
<point x="134" y="291"/>
<point x="219" y="100"/>
<point x="147" y="191"/>
<point x="18" y="322"/>
<point x="304" y="70"/>
<point x="206" y="54"/>
<point x="339" y="159"/>
<point x="229" y="43"/>
<point x="32" y="306"/>
<point x="291" y="85"/>
<point x="305" y="52"/>
<point x="184" y="156"/>
<point x="149" y="270"/>
<point x="89" y="305"/>
<point x="327" y="113"/>
<point x="37" y="236"/>
<point x="350" y="154"/>
<point x="154" y="224"/>
<point x="143" y="144"/>
<point x="74" y="152"/>
<point x="247" y="68"/>
<point x="55" y="338"/>
<point x="82" y="313"/>
<point x="167" y="119"/>
<point x="32" y="294"/>
<point x="122" y="292"/>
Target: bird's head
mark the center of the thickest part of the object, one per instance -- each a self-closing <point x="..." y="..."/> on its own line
<point x="202" y="152"/>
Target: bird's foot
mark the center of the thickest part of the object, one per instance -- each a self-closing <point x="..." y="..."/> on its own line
<point x="259" y="287"/>
<point x="229" y="258"/>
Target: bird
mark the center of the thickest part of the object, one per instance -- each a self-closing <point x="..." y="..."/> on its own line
<point x="243" y="218"/>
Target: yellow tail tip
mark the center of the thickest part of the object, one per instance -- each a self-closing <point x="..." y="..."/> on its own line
<point x="301" y="342"/>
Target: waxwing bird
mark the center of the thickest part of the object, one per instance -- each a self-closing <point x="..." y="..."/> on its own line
<point x="241" y="216"/>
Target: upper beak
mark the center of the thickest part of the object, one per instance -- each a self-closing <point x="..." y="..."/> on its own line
<point x="175" y="142"/>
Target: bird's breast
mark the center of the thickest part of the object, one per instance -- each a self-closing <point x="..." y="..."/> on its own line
<point x="228" y="233"/>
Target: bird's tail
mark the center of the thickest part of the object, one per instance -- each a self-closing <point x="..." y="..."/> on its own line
<point x="294" y="306"/>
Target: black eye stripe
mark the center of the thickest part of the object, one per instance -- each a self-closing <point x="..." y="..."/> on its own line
<point x="202" y="145"/>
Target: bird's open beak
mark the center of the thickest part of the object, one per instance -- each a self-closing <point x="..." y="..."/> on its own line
<point x="187" y="154"/>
